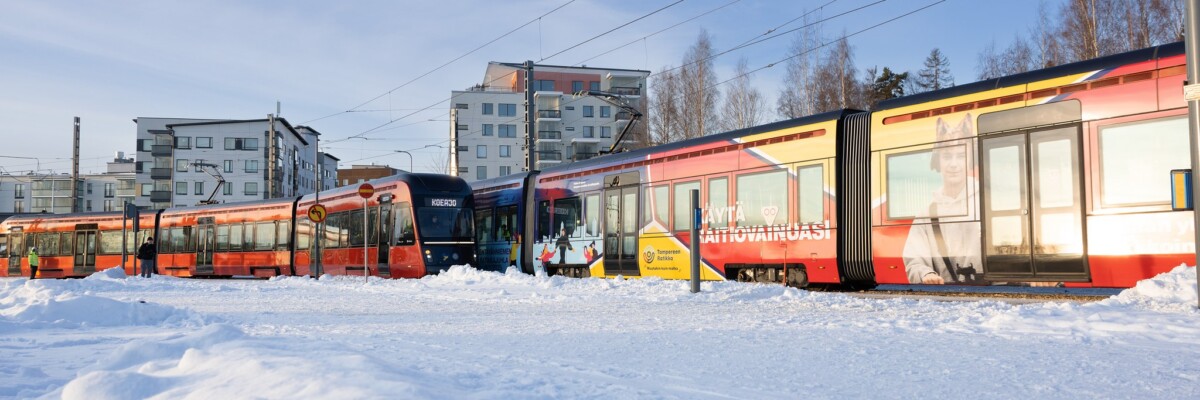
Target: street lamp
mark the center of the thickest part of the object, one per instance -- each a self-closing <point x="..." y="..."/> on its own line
<point x="410" y="160"/>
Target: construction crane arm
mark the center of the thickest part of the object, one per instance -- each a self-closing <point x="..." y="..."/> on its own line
<point x="617" y="101"/>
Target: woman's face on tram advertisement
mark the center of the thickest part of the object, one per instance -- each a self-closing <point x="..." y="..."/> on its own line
<point x="950" y="156"/>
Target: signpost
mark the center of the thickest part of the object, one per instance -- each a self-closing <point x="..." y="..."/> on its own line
<point x="365" y="191"/>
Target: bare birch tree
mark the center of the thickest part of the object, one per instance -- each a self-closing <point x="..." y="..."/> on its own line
<point x="836" y="83"/>
<point x="744" y="104"/>
<point x="665" y="122"/>
<point x="795" y="95"/>
<point x="699" y="98"/>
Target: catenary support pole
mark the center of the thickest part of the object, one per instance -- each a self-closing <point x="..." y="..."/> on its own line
<point x="1191" y="37"/>
<point x="695" y="245"/>
<point x="530" y="117"/>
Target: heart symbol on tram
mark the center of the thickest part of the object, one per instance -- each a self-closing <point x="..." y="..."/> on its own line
<point x="769" y="214"/>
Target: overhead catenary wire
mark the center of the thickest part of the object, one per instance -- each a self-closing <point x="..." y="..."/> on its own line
<point x="643" y="38"/>
<point x="537" y="19"/>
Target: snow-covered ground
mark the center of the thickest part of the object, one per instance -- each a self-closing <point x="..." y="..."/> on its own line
<point x="483" y="335"/>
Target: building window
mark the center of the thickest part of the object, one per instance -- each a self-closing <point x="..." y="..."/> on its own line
<point x="108" y="205"/>
<point x="481" y="172"/>
<point x="605" y="132"/>
<point x="181" y="165"/>
<point x="19" y="191"/>
<point x="463" y="170"/>
<point x="463" y="127"/>
<point x="241" y="144"/>
<point x="543" y="84"/>
<point x="487" y="129"/>
<point x="251" y="165"/>
<point x="576" y="86"/>
<point x="89" y="188"/>
<point x="110" y="189"/>
<point x="251" y="189"/>
<point x="180" y="187"/>
<point x="203" y="142"/>
<point x="199" y="188"/>
<point x="87" y="205"/>
<point x="145" y="144"/>
<point x="139" y="166"/>
<point x="481" y="151"/>
<point x="589" y="111"/>
<point x="594" y="85"/>
<point x="505" y="170"/>
<point x="147" y="188"/>
<point x="19" y="206"/>
<point x="227" y="189"/>
<point x="505" y="150"/>
<point x="487" y="108"/>
<point x="183" y="142"/>
<point x="508" y="131"/>
<point x="463" y="148"/>
<point x="589" y="131"/>
<point x="460" y="106"/>
<point x="605" y="111"/>
<point x="228" y="165"/>
<point x="508" y="110"/>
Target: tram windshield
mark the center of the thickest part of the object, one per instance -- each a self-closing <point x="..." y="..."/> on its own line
<point x="455" y="224"/>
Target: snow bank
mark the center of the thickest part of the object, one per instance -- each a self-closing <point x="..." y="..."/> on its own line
<point x="1173" y="291"/>
<point x="45" y="304"/>
<point x="222" y="362"/>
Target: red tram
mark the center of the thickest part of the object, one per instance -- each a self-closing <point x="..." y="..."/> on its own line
<point x="417" y="224"/>
<point x="1058" y="176"/>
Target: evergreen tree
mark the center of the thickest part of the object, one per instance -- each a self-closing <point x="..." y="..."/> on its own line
<point x="936" y="74"/>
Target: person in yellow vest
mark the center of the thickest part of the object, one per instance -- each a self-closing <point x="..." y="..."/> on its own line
<point x="33" y="262"/>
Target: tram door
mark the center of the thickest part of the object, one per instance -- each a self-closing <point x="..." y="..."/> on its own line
<point x="621" y="226"/>
<point x="382" y="215"/>
<point x="15" y="252"/>
<point x="206" y="242"/>
<point x="85" y="250"/>
<point x="1032" y="205"/>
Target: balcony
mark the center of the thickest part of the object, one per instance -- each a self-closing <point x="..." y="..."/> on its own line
<point x="160" y="196"/>
<point x="624" y="116"/>
<point x="549" y="136"/>
<point x="550" y="115"/>
<point x="626" y="91"/>
<point x="580" y="156"/>
<point x="160" y="173"/>
<point x="552" y="155"/>
<point x="161" y="150"/>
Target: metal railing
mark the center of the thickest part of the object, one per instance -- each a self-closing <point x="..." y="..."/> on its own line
<point x="160" y="196"/>
<point x="626" y="90"/>
<point x="624" y="115"/>
<point x="549" y="155"/>
<point x="161" y="150"/>
<point x="549" y="135"/>
<point x="549" y="114"/>
<point x="160" y="173"/>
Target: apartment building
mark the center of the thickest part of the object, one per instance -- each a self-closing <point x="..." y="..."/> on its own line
<point x="51" y="193"/>
<point x="179" y="160"/>
<point x="488" y="120"/>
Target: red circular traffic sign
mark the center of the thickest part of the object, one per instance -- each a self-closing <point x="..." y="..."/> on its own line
<point x="317" y="213"/>
<point x="366" y="190"/>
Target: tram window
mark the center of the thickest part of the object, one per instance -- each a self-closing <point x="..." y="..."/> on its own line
<point x="3" y="245"/>
<point x="543" y="231"/>
<point x="718" y="203"/>
<point x="566" y="217"/>
<point x="811" y="193"/>
<point x="110" y="242"/>
<point x="131" y="242"/>
<point x="762" y="199"/>
<point x="356" y="228"/>
<point x="344" y="233"/>
<point x="47" y="244"/>
<point x="662" y="204"/>
<point x="911" y="181"/>
<point x="178" y="240"/>
<point x="373" y="226"/>
<point x="282" y="233"/>
<point x="591" y="214"/>
<point x="1136" y="158"/>
<point x="189" y="240"/>
<point x="404" y="225"/>
<point x="386" y="225"/>
<point x="235" y="237"/>
<point x="483" y="226"/>
<point x="223" y="238"/>
<point x="17" y="244"/>
<point x="332" y="230"/>
<point x="304" y="229"/>
<point x="264" y="236"/>
<point x="248" y="237"/>
<point x="683" y="204"/>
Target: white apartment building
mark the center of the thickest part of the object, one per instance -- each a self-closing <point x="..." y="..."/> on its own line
<point x="178" y="160"/>
<point x="51" y="193"/>
<point x="488" y="121"/>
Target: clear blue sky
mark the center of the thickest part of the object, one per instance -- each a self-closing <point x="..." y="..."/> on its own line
<point x="109" y="62"/>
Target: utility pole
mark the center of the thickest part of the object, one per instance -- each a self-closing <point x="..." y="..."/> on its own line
<point x="75" y="203"/>
<point x="271" y="156"/>
<point x="453" y="142"/>
<point x="1191" y="35"/>
<point x="530" y="114"/>
<point x="319" y="227"/>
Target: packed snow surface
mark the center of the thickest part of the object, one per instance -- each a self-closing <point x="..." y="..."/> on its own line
<point x="483" y="335"/>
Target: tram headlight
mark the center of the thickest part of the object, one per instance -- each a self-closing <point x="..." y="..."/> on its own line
<point x="455" y="256"/>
